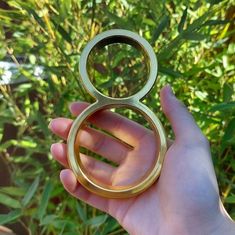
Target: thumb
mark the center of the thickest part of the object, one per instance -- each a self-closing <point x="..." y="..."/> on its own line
<point x="183" y="124"/>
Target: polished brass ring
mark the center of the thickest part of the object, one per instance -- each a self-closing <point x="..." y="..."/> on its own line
<point x="105" y="102"/>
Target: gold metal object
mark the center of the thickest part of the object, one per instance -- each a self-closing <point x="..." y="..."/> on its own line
<point x="105" y="102"/>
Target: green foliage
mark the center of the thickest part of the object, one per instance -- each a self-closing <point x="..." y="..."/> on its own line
<point x="194" y="43"/>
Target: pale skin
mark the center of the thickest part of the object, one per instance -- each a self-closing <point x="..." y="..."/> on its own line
<point x="184" y="200"/>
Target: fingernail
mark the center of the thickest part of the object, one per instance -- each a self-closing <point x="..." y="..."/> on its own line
<point x="63" y="173"/>
<point x="169" y="89"/>
<point x="52" y="146"/>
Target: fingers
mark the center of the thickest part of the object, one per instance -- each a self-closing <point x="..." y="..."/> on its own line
<point x="70" y="183"/>
<point x="97" y="169"/>
<point x="93" y="140"/>
<point x="121" y="127"/>
<point x="59" y="153"/>
<point x="61" y="127"/>
<point x="104" y="145"/>
<point x="182" y="122"/>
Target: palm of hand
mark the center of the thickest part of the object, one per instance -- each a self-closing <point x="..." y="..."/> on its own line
<point x="186" y="188"/>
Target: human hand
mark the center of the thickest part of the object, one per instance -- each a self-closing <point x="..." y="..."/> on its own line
<point x="184" y="200"/>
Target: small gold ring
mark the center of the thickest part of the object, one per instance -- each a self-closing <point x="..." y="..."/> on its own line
<point x="104" y="102"/>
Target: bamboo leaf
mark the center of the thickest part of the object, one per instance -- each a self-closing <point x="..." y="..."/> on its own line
<point x="213" y="2"/>
<point x="182" y="20"/>
<point x="13" y="191"/>
<point x="110" y="226"/>
<point x="31" y="191"/>
<point x="34" y="14"/>
<point x="229" y="131"/>
<point x="194" y="36"/>
<point x="97" y="221"/>
<point x="8" y="201"/>
<point x="169" y="71"/>
<point x="81" y="212"/>
<point x="48" y="219"/>
<point x="227" y="106"/>
<point x="42" y="123"/>
<point x="45" y="199"/>
<point x="10" y="217"/>
<point x="62" y="31"/>
<point x="164" y="22"/>
<point x="216" y="22"/>
<point x="119" y="21"/>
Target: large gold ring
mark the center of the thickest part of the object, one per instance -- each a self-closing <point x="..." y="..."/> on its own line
<point x="105" y="102"/>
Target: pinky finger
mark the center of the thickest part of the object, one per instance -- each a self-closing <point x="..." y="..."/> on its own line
<point x="71" y="185"/>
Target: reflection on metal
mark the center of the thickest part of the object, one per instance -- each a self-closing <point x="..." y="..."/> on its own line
<point x="105" y="102"/>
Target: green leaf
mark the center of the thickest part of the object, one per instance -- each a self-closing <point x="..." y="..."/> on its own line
<point x="194" y="36"/>
<point x="62" y="31"/>
<point x="170" y="49"/>
<point x="227" y="92"/>
<point x="149" y="21"/>
<point x="230" y="199"/>
<point x="97" y="221"/>
<point x="48" y="219"/>
<point x="213" y="2"/>
<point x="229" y="131"/>
<point x="81" y="212"/>
<point x="8" y="201"/>
<point x="107" y="84"/>
<point x="110" y="225"/>
<point x="169" y="71"/>
<point x="182" y="20"/>
<point x="164" y="22"/>
<point x="216" y="22"/>
<point x="11" y="216"/>
<point x="226" y="106"/>
<point x="31" y="191"/>
<point x="119" y="21"/>
<point x="42" y="123"/>
<point x="34" y="14"/>
<point x="13" y="191"/>
<point x="198" y="23"/>
<point x="45" y="199"/>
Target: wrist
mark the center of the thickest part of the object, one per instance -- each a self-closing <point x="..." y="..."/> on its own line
<point x="216" y="223"/>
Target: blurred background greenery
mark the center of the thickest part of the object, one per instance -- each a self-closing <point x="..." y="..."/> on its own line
<point x="40" y="46"/>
